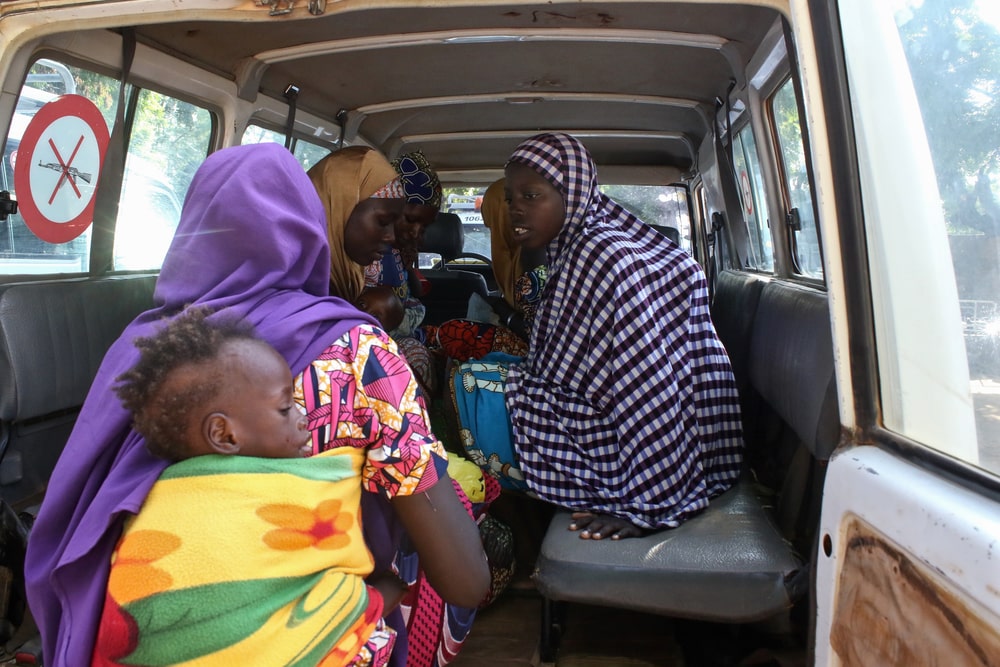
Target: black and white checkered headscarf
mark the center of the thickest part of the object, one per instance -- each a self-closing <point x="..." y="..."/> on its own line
<point x="626" y="403"/>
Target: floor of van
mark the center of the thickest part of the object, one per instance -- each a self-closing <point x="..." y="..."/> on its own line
<point x="507" y="633"/>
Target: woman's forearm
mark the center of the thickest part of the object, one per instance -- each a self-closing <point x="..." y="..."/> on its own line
<point x="447" y="542"/>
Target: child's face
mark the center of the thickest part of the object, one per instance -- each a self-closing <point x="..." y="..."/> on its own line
<point x="536" y="208"/>
<point x="383" y="304"/>
<point x="264" y="419"/>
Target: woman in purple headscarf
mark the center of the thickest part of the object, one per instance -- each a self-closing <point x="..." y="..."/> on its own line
<point x="260" y="253"/>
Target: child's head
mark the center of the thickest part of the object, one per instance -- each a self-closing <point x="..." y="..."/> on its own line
<point x="212" y="387"/>
<point x="383" y="303"/>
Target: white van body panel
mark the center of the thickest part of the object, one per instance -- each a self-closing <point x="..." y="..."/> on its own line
<point x="951" y="532"/>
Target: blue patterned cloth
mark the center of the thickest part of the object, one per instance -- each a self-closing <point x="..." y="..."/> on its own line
<point x="485" y="428"/>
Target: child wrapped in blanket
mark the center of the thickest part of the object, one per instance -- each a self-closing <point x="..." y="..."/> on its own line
<point x="244" y="552"/>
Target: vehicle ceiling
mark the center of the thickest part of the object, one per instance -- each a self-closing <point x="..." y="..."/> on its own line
<point x="636" y="81"/>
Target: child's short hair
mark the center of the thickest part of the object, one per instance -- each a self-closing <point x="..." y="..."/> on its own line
<point x="384" y="304"/>
<point x="187" y="339"/>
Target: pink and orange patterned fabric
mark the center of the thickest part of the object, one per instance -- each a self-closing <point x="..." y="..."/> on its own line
<point x="377" y="410"/>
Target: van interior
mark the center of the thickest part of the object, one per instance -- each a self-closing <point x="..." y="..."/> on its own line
<point x="728" y="125"/>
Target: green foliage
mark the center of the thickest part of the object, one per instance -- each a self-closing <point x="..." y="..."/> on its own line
<point x="954" y="59"/>
<point x="172" y="134"/>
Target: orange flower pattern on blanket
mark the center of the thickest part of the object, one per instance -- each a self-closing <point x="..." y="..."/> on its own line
<point x="133" y="576"/>
<point x="351" y="651"/>
<point x="322" y="527"/>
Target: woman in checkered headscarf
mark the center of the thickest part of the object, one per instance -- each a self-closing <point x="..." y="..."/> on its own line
<point x="625" y="409"/>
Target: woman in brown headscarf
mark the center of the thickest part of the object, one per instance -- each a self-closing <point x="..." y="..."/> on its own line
<point x="520" y="275"/>
<point x="506" y="254"/>
<point x="363" y="197"/>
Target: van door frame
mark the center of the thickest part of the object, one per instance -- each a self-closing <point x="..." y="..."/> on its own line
<point x="940" y="538"/>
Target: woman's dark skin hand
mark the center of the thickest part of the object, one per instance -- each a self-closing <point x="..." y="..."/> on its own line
<point x="392" y="589"/>
<point x="603" y="526"/>
<point x="509" y="317"/>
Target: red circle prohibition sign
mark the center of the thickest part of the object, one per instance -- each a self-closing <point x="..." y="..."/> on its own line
<point x="58" y="164"/>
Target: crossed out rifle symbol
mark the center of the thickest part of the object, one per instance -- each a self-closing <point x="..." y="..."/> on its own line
<point x="68" y="172"/>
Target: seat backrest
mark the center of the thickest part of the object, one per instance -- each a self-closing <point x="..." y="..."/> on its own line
<point x="791" y="363"/>
<point x="671" y="233"/>
<point x="444" y="236"/>
<point x="53" y="337"/>
<point x="450" y="288"/>
<point x="734" y="305"/>
<point x="798" y="422"/>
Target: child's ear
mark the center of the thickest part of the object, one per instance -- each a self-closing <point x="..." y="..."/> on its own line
<point x="218" y="433"/>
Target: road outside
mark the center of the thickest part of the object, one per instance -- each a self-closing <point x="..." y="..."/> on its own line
<point x="986" y="398"/>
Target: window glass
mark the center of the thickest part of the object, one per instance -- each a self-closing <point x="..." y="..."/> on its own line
<point x="751" y="189"/>
<point x="804" y="238"/>
<point x="465" y="203"/>
<point x="662" y="206"/>
<point x="924" y="77"/>
<point x="658" y="205"/>
<point x="170" y="139"/>
<point x="21" y="251"/>
<point x="305" y="152"/>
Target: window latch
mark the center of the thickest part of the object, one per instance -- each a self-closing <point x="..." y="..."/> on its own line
<point x="793" y="221"/>
<point x="8" y="206"/>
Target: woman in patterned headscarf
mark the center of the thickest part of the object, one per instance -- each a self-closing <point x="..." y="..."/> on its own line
<point x="397" y="267"/>
<point x="363" y="198"/>
<point x="361" y="190"/>
<point x="625" y="409"/>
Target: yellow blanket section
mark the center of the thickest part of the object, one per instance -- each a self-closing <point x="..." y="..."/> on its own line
<point x="238" y="560"/>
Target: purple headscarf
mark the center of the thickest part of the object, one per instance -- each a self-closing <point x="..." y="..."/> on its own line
<point x="252" y="240"/>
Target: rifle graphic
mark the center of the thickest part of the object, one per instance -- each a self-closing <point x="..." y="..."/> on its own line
<point x="71" y="171"/>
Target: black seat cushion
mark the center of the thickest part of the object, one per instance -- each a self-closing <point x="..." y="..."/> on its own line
<point x="727" y="564"/>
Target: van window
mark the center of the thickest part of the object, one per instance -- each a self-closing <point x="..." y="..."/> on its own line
<point x="751" y="188"/>
<point x="306" y="152"/>
<point x="169" y="139"/>
<point x="798" y="193"/>
<point x="466" y="203"/>
<point x="657" y="205"/>
<point x="933" y="191"/>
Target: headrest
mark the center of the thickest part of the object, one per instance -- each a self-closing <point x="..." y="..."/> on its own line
<point x="671" y="233"/>
<point x="444" y="236"/>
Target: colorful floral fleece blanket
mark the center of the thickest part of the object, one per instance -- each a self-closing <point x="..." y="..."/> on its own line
<point x="246" y="561"/>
